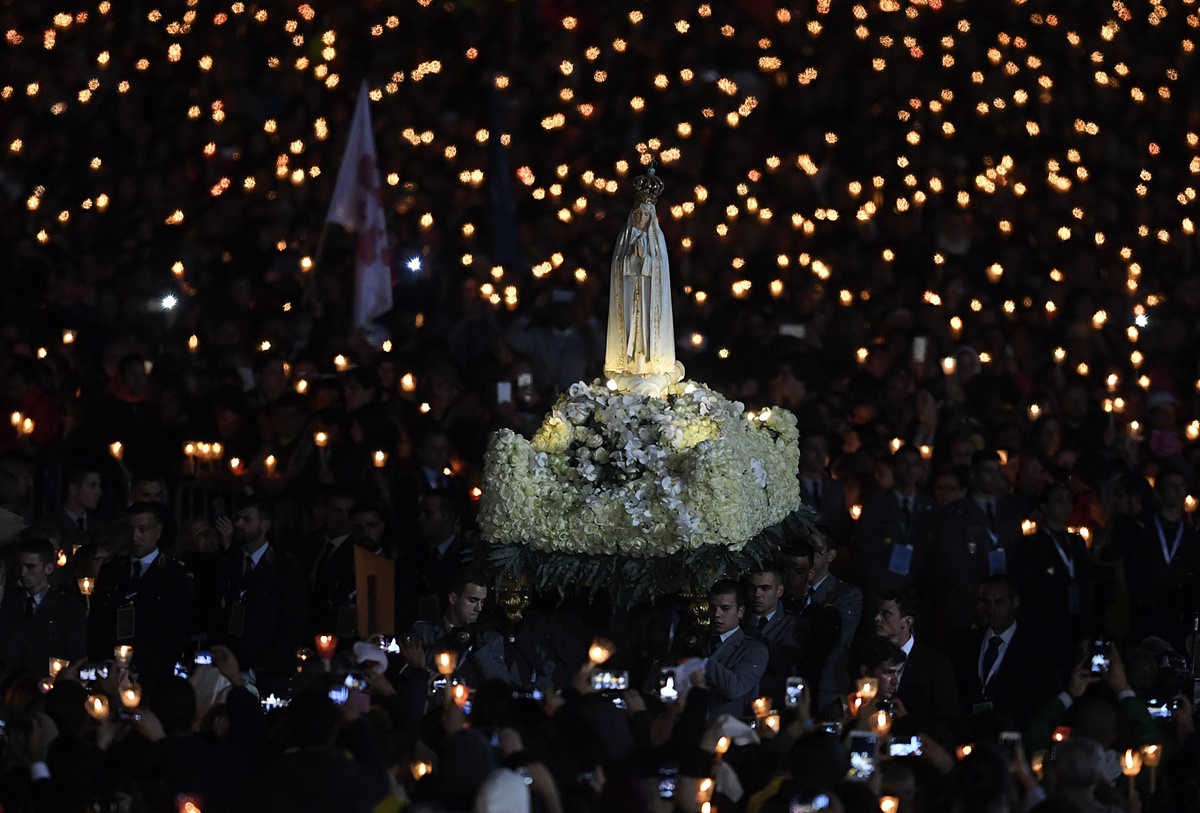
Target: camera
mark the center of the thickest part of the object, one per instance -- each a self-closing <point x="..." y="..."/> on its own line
<point x="1162" y="709"/>
<point x="666" y="781"/>
<point x="667" y="691"/>
<point x="1098" y="657"/>
<point x="864" y="749"/>
<point x="912" y="748"/>
<point x="609" y="681"/>
<point x="794" y="690"/>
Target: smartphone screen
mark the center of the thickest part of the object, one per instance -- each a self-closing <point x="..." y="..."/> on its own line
<point x="608" y="680"/>
<point x="667" y="692"/>
<point x="1010" y="743"/>
<point x="1099" y="657"/>
<point x="503" y="392"/>
<point x="864" y="750"/>
<point x="1160" y="709"/>
<point x="666" y="782"/>
<point x="203" y="658"/>
<point x="794" y="691"/>
<point x="912" y="748"/>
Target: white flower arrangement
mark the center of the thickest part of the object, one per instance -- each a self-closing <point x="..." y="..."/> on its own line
<point x="624" y="474"/>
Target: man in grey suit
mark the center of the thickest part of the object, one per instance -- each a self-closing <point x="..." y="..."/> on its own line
<point x="735" y="663"/>
<point x="773" y="626"/>
<point x="37" y="622"/>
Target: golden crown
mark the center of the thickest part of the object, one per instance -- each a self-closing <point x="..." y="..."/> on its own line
<point x="647" y="188"/>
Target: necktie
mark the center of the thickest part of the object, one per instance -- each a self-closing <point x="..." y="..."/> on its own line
<point x="326" y="552"/>
<point x="991" y="512"/>
<point x="906" y="509"/>
<point x="762" y="622"/>
<point x="79" y="521"/>
<point x="816" y="494"/>
<point x="714" y="641"/>
<point x="137" y="569"/>
<point x="989" y="658"/>
<point x="30" y="606"/>
<point x="248" y="568"/>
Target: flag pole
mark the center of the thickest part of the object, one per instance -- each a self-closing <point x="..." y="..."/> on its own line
<point x="310" y="276"/>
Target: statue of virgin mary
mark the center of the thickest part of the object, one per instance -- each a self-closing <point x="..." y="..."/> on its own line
<point x="640" y="347"/>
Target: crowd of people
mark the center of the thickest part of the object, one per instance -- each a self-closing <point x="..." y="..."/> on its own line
<point x="997" y="603"/>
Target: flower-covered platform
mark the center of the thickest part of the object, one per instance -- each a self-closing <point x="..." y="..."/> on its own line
<point x="640" y="494"/>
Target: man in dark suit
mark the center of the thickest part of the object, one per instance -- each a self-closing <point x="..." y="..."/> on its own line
<point x="144" y="599"/>
<point x="81" y="496"/>
<point x="826" y="495"/>
<point x="772" y="625"/>
<point x="1001" y="665"/>
<point x="262" y="608"/>
<point x="1161" y="560"/>
<point x="659" y="634"/>
<point x="976" y="537"/>
<point x="1054" y="570"/>
<point x="818" y="629"/>
<point x="330" y="564"/>
<point x="37" y="622"/>
<point x="892" y="543"/>
<point x="735" y="663"/>
<point x="927" y="687"/>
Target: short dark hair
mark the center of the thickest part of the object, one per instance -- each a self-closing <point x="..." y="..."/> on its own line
<point x="876" y="650"/>
<point x="984" y="456"/>
<point x="449" y="498"/>
<point x="42" y="548"/>
<point x="907" y="448"/>
<point x="800" y="548"/>
<point x="906" y="600"/>
<point x="1014" y="588"/>
<point x="725" y="587"/>
<point x="365" y="507"/>
<point x="776" y="569"/>
<point x="76" y="473"/>
<point x="157" y="509"/>
<point x="260" y="503"/>
<point x="464" y="576"/>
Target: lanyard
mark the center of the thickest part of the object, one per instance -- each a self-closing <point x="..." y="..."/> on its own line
<point x="1162" y="540"/>
<point x="1068" y="561"/>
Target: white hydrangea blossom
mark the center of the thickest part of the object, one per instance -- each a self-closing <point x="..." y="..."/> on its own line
<point x="619" y="473"/>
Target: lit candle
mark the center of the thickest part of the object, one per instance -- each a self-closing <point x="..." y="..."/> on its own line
<point x="1131" y="766"/>
<point x="889" y="804"/>
<point x="97" y="706"/>
<point x="62" y="558"/>
<point x="446" y="661"/>
<point x="408" y="382"/>
<point x="123" y="654"/>
<point x="187" y="804"/>
<point x="722" y="746"/>
<point x="57" y="665"/>
<point x="86" y="585"/>
<point x="420" y="769"/>
<point x="235" y="465"/>
<point x="326" y="646"/>
<point x="379" y="458"/>
<point x="1151" y="754"/>
<point x="131" y="695"/>
<point x="1038" y="763"/>
<point x="116" y="449"/>
<point x="761" y="706"/>
<point x="771" y="720"/>
<point x="321" y="439"/>
<point x="964" y="751"/>
<point x="881" y="722"/>
<point x="460" y="693"/>
<point x="269" y="465"/>
<point x="600" y="651"/>
<point x="704" y="790"/>
<point x="1028" y="527"/>
<point x="868" y="687"/>
<point x="68" y="336"/>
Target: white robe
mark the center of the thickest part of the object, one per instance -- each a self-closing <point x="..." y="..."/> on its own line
<point x="641" y="331"/>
